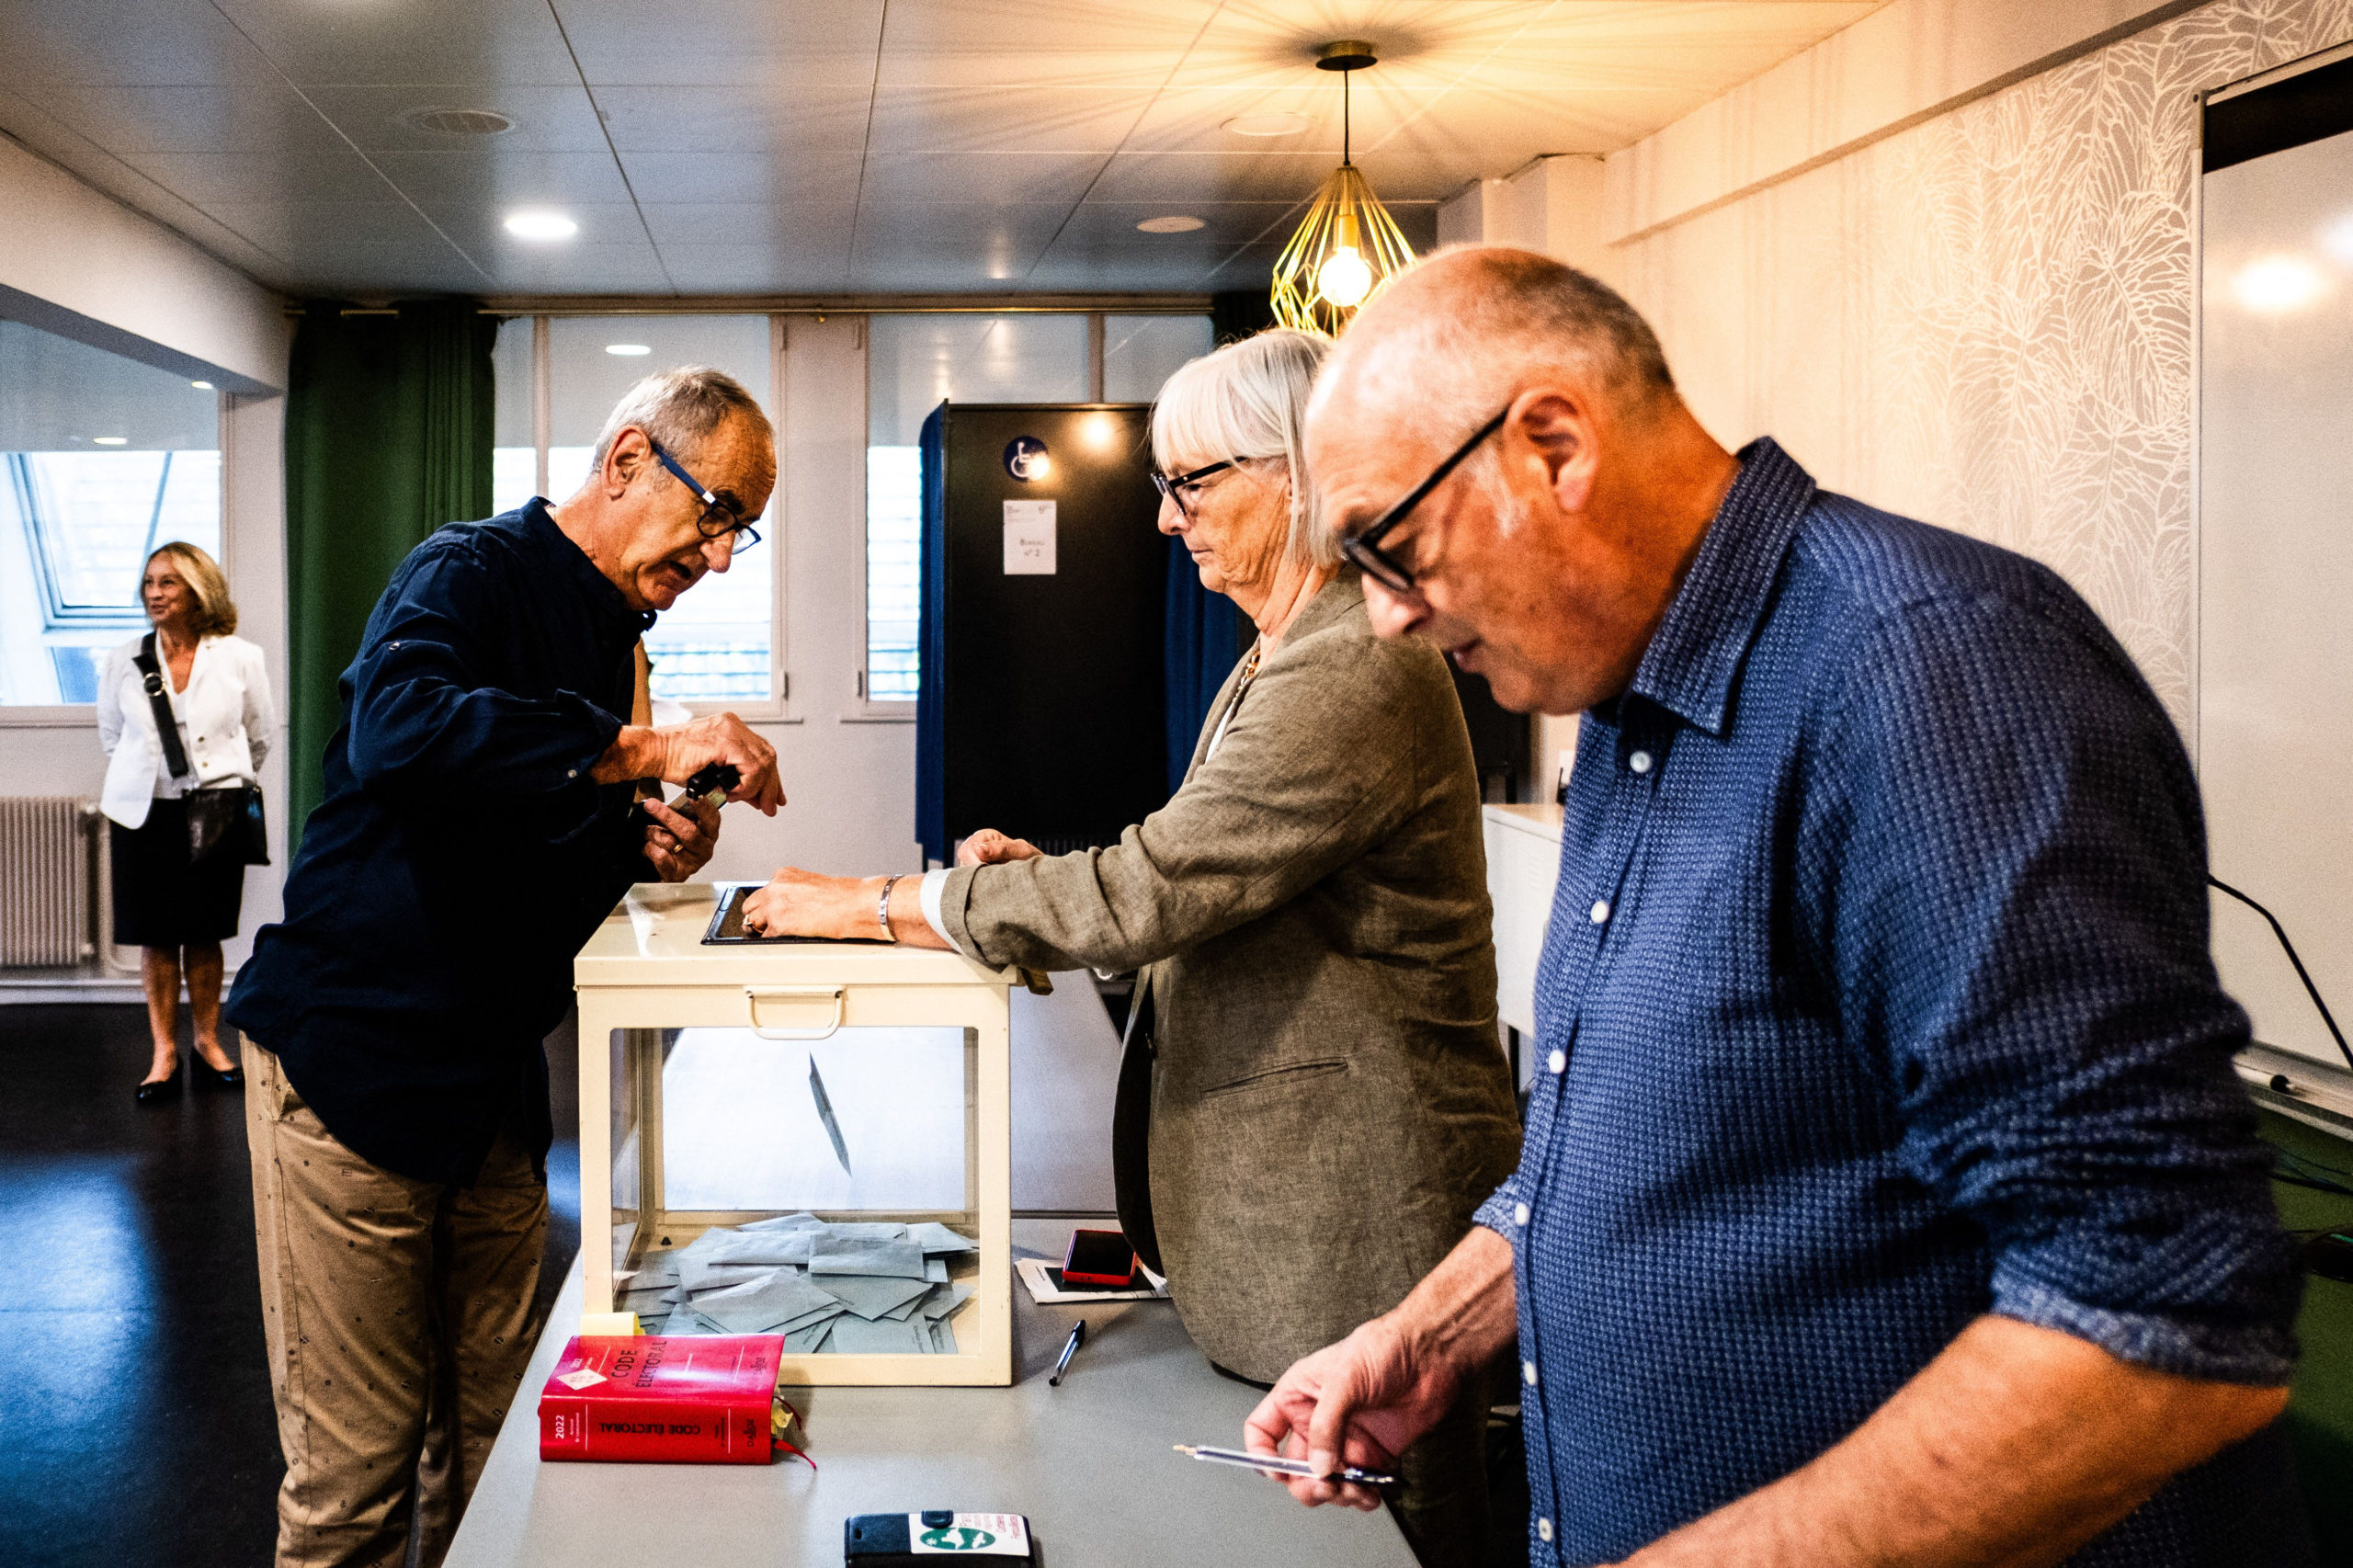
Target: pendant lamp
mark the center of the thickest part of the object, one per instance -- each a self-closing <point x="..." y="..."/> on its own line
<point x="1348" y="247"/>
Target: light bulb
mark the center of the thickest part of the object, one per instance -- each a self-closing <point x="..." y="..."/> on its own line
<point x="1344" y="279"/>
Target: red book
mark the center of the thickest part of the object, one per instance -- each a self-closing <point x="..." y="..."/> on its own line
<point x="661" y="1399"/>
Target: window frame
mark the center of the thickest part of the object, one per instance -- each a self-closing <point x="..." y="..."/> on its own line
<point x="85" y="715"/>
<point x="776" y="708"/>
<point x="866" y="710"/>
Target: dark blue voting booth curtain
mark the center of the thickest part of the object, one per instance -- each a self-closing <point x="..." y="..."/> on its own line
<point x="1202" y="626"/>
<point x="931" y="646"/>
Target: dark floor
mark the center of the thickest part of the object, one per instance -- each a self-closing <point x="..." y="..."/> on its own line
<point x="135" y="1423"/>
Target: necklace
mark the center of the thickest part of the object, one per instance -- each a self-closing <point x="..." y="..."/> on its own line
<point x="1233" y="704"/>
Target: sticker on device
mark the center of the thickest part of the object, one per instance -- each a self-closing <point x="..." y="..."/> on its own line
<point x="970" y="1535"/>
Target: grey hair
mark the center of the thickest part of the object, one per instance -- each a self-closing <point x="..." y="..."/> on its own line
<point x="679" y="408"/>
<point x="1248" y="402"/>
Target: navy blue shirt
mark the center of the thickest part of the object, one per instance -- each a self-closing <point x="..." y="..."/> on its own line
<point x="462" y="853"/>
<point x="1876" y="997"/>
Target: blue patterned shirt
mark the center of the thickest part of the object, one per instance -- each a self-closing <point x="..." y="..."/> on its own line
<point x="1876" y="997"/>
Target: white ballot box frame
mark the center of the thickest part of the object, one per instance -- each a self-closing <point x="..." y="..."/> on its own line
<point x="646" y="969"/>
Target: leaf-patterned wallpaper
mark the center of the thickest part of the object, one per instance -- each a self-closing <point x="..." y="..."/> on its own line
<point x="1986" y="321"/>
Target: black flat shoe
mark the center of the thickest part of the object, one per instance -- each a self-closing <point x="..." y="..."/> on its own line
<point x="208" y="1076"/>
<point x="162" y="1089"/>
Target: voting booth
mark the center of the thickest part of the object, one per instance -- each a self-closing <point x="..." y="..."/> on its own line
<point x="810" y="1137"/>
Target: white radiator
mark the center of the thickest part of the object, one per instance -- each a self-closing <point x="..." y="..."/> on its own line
<point x="46" y="870"/>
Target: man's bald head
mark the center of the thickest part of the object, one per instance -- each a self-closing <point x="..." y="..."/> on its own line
<point x="1448" y="342"/>
<point x="1544" y="560"/>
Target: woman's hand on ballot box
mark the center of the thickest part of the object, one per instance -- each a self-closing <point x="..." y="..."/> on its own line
<point x="808" y="903"/>
<point x="990" y="847"/>
<point x="676" y="753"/>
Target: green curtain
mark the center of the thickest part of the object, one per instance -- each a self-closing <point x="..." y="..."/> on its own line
<point x="388" y="437"/>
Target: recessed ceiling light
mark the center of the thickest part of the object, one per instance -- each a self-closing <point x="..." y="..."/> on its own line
<point x="540" y="226"/>
<point x="202" y="386"/>
<point x="1281" y="124"/>
<point x="1172" y="224"/>
<point x="629" y="350"/>
<point x="110" y="441"/>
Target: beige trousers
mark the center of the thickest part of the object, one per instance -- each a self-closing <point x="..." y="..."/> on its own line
<point x="399" y="1315"/>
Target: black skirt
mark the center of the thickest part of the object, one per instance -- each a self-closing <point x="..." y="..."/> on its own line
<point x="161" y="900"/>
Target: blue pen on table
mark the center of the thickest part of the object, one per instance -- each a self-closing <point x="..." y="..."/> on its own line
<point x="1269" y="1464"/>
<point x="1077" y="1338"/>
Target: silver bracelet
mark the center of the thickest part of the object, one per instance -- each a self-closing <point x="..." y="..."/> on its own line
<point x="882" y="907"/>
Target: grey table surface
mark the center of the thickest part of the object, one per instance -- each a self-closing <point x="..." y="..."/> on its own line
<point x="1089" y="1463"/>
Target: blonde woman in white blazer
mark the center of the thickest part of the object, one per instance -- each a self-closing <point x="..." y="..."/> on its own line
<point x="176" y="911"/>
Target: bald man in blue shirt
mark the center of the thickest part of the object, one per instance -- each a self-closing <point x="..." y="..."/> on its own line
<point x="1887" y="1194"/>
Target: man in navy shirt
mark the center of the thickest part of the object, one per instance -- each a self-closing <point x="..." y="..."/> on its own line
<point x="1887" y="1195"/>
<point x="475" y="828"/>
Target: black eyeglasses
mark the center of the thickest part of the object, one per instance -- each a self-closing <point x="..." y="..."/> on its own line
<point x="718" y="517"/>
<point x="1173" y="485"/>
<point x="1363" y="550"/>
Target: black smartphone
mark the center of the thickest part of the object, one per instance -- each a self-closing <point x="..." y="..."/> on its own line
<point x="1099" y="1257"/>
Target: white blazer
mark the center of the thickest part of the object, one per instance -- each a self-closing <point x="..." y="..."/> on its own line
<point x="226" y="723"/>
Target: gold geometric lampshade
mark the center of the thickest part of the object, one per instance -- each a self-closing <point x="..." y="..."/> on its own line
<point x="1346" y="252"/>
<point x="1349" y="247"/>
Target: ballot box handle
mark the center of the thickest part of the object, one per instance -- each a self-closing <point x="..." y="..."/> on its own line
<point x="756" y="994"/>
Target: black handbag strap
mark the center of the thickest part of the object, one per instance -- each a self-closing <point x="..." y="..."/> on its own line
<point x="167" y="725"/>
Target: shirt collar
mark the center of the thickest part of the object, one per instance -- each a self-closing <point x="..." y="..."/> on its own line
<point x="1695" y="655"/>
<point x="540" y="527"/>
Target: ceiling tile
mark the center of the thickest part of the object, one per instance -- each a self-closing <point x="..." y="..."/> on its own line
<point x="672" y="177"/>
<point x="824" y="225"/>
<point x="1223" y="224"/>
<point x="263" y="116"/>
<point x="1016" y="43"/>
<point x="581" y="268"/>
<point x="334" y="267"/>
<point x="725" y="44"/>
<point x="770" y="121"/>
<point x="496" y="179"/>
<point x="152" y="43"/>
<point x="780" y="268"/>
<point x="1051" y="178"/>
<point x="204" y="178"/>
<point x="487" y="41"/>
<point x="293" y="228"/>
<point x="1053" y="119"/>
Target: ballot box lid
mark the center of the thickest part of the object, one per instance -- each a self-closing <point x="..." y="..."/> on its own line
<point x="655" y="936"/>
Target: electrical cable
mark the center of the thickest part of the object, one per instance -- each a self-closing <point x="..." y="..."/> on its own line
<point x="2290" y="948"/>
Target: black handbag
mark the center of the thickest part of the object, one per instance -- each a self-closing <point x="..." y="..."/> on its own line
<point x="222" y="823"/>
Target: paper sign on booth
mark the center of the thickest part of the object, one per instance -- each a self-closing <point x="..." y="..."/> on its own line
<point x="1029" y="539"/>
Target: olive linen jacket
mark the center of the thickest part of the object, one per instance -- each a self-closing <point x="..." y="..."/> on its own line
<point x="1328" y="1099"/>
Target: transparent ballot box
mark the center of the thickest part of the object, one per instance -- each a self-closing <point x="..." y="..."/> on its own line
<point x="810" y="1139"/>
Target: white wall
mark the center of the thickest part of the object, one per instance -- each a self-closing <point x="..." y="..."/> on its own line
<point x="1982" y="319"/>
<point x="850" y="783"/>
<point x="74" y="262"/>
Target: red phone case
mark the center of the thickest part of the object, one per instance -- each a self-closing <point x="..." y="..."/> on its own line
<point x="1079" y="1276"/>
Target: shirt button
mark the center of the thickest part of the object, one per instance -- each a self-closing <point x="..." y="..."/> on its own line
<point x="1599" y="912"/>
<point x="1544" y="1531"/>
<point x="1558" y="1062"/>
<point x="572" y="773"/>
<point x="1640" y="762"/>
<point x="1519" y="1214"/>
<point x="1528" y="1373"/>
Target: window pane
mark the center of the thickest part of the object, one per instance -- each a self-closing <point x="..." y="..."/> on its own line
<point x="713" y="644"/>
<point x="913" y="362"/>
<point x="101" y="460"/>
<point x="1141" y="352"/>
<point x="514" y="460"/>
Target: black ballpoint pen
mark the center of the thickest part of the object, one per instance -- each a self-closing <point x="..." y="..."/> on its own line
<point x="1077" y="1338"/>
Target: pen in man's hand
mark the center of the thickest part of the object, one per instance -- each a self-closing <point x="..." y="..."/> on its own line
<point x="1271" y="1464"/>
<point x="1077" y="1338"/>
